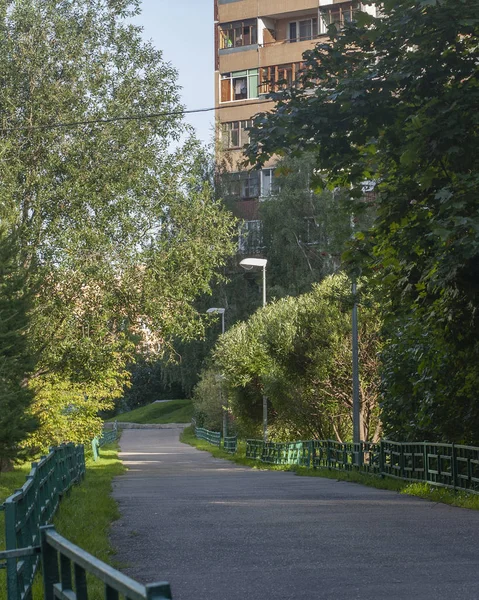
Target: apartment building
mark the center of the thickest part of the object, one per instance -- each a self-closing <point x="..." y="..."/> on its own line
<point x="259" y="45"/>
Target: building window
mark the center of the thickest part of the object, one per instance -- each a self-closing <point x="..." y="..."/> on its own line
<point x="243" y="185"/>
<point x="303" y="30"/>
<point x="240" y="33"/>
<point x="269" y="183"/>
<point x="278" y="77"/>
<point x="239" y="85"/>
<point x="235" y="134"/>
<point x="338" y="15"/>
<point x="250" y="237"/>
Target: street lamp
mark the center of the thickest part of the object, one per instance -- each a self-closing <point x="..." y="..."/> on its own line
<point x="221" y="311"/>
<point x="248" y="264"/>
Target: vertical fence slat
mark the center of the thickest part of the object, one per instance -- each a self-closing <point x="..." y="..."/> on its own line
<point x="158" y="591"/>
<point x="50" y="566"/>
<point x="65" y="572"/>
<point x="81" y="587"/>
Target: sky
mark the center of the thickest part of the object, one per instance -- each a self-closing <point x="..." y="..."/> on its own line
<point x="183" y="31"/>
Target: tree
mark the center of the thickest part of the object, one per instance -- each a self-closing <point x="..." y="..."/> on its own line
<point x="16" y="420"/>
<point x="305" y="229"/>
<point x="393" y="99"/>
<point x="297" y="351"/>
<point x="120" y="227"/>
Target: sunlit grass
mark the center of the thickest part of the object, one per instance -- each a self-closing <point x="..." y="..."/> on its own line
<point x="174" y="411"/>
<point x="446" y="496"/>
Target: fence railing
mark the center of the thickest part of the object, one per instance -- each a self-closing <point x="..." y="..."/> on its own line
<point x="212" y="437"/>
<point x="447" y="465"/>
<point x="59" y="556"/>
<point x="229" y="443"/>
<point x="32" y="506"/>
<point x="108" y="436"/>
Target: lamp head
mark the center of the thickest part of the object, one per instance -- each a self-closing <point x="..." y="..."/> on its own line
<point x="249" y="263"/>
<point x="219" y="311"/>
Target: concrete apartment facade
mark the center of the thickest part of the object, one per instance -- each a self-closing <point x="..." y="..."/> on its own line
<point x="257" y="44"/>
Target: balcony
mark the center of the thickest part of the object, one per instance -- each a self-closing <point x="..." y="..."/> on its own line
<point x="283" y="51"/>
<point x="236" y="61"/>
<point x="234" y="11"/>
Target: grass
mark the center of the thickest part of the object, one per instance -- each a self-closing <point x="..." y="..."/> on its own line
<point x="174" y="411"/>
<point x="420" y="490"/>
<point x="84" y="515"/>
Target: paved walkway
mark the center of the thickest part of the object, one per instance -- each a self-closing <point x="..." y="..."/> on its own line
<point x="218" y="531"/>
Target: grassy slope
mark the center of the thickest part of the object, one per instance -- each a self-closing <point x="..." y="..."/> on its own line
<point x="421" y="490"/>
<point x="174" y="411"/>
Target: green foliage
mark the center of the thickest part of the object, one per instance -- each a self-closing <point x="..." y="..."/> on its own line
<point x="237" y="291"/>
<point x="209" y="401"/>
<point x="173" y="411"/>
<point x="431" y="392"/>
<point x="297" y="352"/>
<point x="305" y="228"/>
<point x="146" y="385"/>
<point x="397" y="104"/>
<point x="16" y="360"/>
<point x="119" y="232"/>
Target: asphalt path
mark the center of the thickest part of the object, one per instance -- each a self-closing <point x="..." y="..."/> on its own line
<point x="218" y="531"/>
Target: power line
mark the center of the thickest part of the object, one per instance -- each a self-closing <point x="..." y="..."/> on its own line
<point x="109" y="120"/>
<point x="140" y="117"/>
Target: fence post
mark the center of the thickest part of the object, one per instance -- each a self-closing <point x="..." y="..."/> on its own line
<point x="94" y="447"/>
<point x="158" y="591"/>
<point x="426" y="465"/>
<point x="49" y="564"/>
<point x="11" y="544"/>
<point x="381" y="459"/>
<point x="454" y="467"/>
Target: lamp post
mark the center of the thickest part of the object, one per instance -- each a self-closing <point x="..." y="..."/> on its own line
<point x="248" y="264"/>
<point x="355" y="349"/>
<point x="221" y="311"/>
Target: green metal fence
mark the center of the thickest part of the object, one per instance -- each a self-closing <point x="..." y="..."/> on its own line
<point x="254" y="449"/>
<point x="363" y="456"/>
<point x="60" y="557"/>
<point x="230" y="443"/>
<point x="447" y="465"/>
<point x="32" y="506"/>
<point x="212" y="437"/>
<point x="108" y="436"/>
